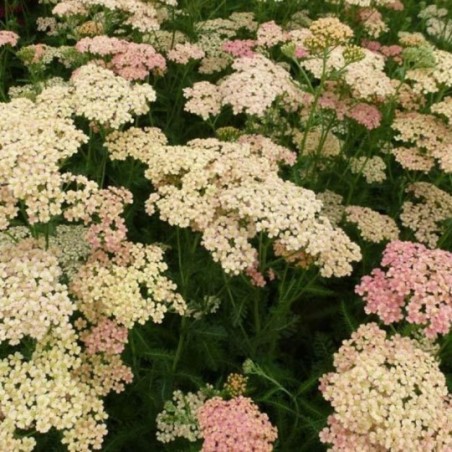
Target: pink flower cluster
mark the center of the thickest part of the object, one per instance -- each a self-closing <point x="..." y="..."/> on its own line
<point x="240" y="47"/>
<point x="130" y="60"/>
<point x="417" y="282"/>
<point x="8" y="38"/>
<point x="105" y="337"/>
<point x="235" y="425"/>
<point x="367" y="115"/>
<point x="183" y="53"/>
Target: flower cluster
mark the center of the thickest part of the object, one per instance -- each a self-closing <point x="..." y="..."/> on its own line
<point x="252" y="88"/>
<point x="130" y="287"/>
<point x="372" y="168"/>
<point x="417" y="281"/>
<point x="41" y="392"/>
<point x="424" y="216"/>
<point x="34" y="140"/>
<point x="373" y="226"/>
<point x="107" y="99"/>
<point x="183" y="53"/>
<point x="8" y="38"/>
<point x="326" y="33"/>
<point x="130" y="60"/>
<point x="231" y="192"/>
<point x="33" y="300"/>
<point x="235" y="424"/>
<point x="426" y="133"/>
<point x="105" y="337"/>
<point x="140" y="15"/>
<point x="179" y="417"/>
<point x="387" y="394"/>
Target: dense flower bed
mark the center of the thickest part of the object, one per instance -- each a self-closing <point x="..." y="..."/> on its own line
<point x="226" y="226"/>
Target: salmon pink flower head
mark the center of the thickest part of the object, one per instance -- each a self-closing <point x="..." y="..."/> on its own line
<point x="8" y="38"/>
<point x="233" y="425"/>
<point x="415" y="281"/>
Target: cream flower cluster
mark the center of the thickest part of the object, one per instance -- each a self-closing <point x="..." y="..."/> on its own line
<point x="256" y="83"/>
<point x="427" y="133"/>
<point x="327" y="32"/>
<point x="183" y="53"/>
<point x="41" y="392"/>
<point x="8" y="38"/>
<point x="107" y="99"/>
<point x="230" y="192"/>
<point x="387" y="395"/>
<point x="373" y="226"/>
<point x="34" y="140"/>
<point x="130" y="287"/>
<point x="142" y="15"/>
<point x="413" y="158"/>
<point x="33" y="300"/>
<point x="371" y="168"/>
<point x="444" y="108"/>
<point x="424" y="216"/>
<point x="252" y="88"/>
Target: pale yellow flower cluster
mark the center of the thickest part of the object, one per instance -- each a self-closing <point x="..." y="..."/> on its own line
<point x="387" y="394"/>
<point x="33" y="300"/>
<point x="444" y="108"/>
<point x="255" y="84"/>
<point x="34" y="140"/>
<point x="407" y="97"/>
<point x="373" y="169"/>
<point x="130" y="287"/>
<point x="425" y="216"/>
<point x="427" y="133"/>
<point x="230" y="192"/>
<point x="107" y="99"/>
<point x="373" y="226"/>
<point x="327" y="32"/>
<point x="41" y="392"/>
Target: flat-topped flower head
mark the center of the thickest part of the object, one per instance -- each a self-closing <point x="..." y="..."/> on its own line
<point x="387" y="395"/>
<point x="414" y="284"/>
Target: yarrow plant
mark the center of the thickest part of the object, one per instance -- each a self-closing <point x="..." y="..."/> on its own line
<point x="208" y="189"/>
